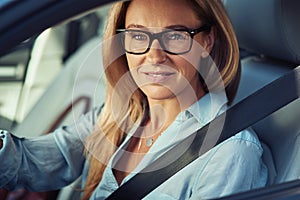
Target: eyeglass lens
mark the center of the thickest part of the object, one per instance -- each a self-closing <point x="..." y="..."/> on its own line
<point x="171" y="41"/>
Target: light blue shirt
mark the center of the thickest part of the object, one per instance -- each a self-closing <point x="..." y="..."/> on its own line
<point x="233" y="166"/>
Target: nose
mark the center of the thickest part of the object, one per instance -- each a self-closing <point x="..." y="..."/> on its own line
<point x="156" y="54"/>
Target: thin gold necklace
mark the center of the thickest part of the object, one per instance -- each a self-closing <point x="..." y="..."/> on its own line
<point x="149" y="141"/>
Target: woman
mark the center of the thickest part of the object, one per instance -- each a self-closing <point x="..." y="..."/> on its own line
<point x="166" y="64"/>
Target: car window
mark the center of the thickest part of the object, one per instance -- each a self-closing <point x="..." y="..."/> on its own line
<point x="28" y="69"/>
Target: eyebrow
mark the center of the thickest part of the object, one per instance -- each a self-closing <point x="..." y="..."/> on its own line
<point x="175" y="26"/>
<point x="134" y="26"/>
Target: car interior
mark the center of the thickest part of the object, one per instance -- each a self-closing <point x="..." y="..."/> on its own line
<point x="73" y="87"/>
<point x="268" y="34"/>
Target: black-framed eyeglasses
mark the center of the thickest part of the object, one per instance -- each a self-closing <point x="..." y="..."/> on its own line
<point x="177" y="41"/>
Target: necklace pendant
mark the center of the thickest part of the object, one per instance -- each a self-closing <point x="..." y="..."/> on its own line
<point x="149" y="142"/>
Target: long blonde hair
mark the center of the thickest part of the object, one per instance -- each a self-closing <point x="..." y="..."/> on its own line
<point x="111" y="128"/>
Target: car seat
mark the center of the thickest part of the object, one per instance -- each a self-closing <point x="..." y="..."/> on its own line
<point x="79" y="87"/>
<point x="268" y="32"/>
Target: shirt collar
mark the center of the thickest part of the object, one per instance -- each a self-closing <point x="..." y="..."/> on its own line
<point x="205" y="109"/>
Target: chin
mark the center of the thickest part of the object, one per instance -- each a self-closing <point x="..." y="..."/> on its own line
<point x="161" y="93"/>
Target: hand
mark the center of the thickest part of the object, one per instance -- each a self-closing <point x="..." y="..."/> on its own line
<point x="1" y="138"/>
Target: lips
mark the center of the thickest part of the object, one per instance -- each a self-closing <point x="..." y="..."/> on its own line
<point x="158" y="77"/>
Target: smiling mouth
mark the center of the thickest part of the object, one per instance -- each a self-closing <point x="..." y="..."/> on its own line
<point x="158" y="77"/>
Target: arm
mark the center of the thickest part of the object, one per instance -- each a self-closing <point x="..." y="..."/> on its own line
<point x="47" y="162"/>
<point x="235" y="166"/>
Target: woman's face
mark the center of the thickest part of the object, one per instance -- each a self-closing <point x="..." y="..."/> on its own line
<point x="158" y="74"/>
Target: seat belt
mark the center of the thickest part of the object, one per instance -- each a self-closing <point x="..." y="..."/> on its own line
<point x="250" y="110"/>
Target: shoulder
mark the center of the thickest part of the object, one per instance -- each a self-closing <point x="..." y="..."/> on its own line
<point x="237" y="159"/>
<point x="241" y="151"/>
<point x="243" y="148"/>
<point x="244" y="140"/>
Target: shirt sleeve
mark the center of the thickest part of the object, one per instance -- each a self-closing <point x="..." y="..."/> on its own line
<point x="235" y="166"/>
<point x="47" y="162"/>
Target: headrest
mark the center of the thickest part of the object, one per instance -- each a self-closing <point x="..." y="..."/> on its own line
<point x="268" y="27"/>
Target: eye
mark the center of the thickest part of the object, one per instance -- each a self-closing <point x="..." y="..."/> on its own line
<point x="138" y="36"/>
<point x="176" y="36"/>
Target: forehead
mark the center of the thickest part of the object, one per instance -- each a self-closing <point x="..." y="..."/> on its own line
<point x="161" y="13"/>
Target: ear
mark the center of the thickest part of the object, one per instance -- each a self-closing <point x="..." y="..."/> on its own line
<point x="208" y="42"/>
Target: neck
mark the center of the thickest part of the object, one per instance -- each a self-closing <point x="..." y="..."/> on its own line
<point x="163" y="112"/>
<point x="161" y="115"/>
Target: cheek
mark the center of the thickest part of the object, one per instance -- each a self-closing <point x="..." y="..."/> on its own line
<point x="130" y="61"/>
<point x="133" y="61"/>
<point x="188" y="67"/>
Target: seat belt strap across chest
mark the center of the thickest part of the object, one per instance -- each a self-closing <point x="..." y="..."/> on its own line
<point x="250" y="110"/>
